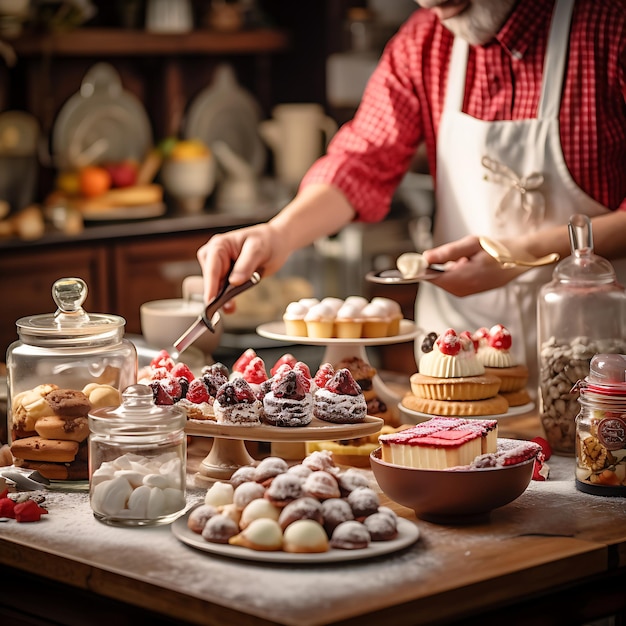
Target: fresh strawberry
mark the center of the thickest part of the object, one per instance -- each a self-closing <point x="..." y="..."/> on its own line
<point x="161" y="397"/>
<point x="7" y="508"/>
<point x="255" y="372"/>
<point x="162" y="359"/>
<point x="343" y="383"/>
<point x="282" y="370"/>
<point x="500" y="337"/>
<point x="173" y="387"/>
<point x="181" y="370"/>
<point x="159" y="373"/>
<point x="28" y="511"/>
<point x="324" y="374"/>
<point x="449" y="343"/>
<point x="197" y="392"/>
<point x="302" y="367"/>
<point x="292" y="385"/>
<point x="243" y="360"/>
<point x="243" y="390"/>
<point x="287" y="358"/>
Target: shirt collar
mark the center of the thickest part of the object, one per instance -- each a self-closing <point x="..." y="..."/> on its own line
<point x="528" y="21"/>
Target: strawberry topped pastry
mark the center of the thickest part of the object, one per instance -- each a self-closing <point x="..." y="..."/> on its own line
<point x="340" y="400"/>
<point x="451" y="381"/>
<point x="235" y="403"/>
<point x="289" y="401"/>
<point x="494" y="352"/>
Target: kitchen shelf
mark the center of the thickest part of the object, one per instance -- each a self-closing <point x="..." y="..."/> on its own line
<point x="117" y="42"/>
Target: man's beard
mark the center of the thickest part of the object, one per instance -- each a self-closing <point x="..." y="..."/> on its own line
<point x="480" y="22"/>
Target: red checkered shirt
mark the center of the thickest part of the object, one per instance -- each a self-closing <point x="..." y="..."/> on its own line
<point x="402" y="104"/>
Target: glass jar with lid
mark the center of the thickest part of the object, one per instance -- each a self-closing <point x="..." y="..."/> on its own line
<point x="601" y="427"/>
<point x="63" y="365"/>
<point x="138" y="459"/>
<point x="581" y="313"/>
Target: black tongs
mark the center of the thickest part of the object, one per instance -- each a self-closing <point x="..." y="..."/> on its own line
<point x="211" y="316"/>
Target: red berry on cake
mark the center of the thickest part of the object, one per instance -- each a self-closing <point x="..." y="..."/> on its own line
<point x="325" y="372"/>
<point x="181" y="370"/>
<point x="341" y="401"/>
<point x="197" y="392"/>
<point x="162" y="359"/>
<point x="289" y="401"/>
<point x="254" y="372"/>
<point x="288" y="359"/>
<point x="240" y="364"/>
<point x="449" y="342"/>
<point x="500" y="337"/>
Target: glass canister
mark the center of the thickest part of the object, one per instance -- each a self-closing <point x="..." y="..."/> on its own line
<point x="601" y="427"/>
<point x="581" y="313"/>
<point x="64" y="364"/>
<point x="138" y="458"/>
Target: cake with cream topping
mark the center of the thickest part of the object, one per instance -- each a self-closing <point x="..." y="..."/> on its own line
<point x="452" y="381"/>
<point x="341" y="400"/>
<point x="440" y="443"/>
<point x="494" y="352"/>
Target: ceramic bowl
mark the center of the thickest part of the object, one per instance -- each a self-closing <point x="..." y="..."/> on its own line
<point x="164" y="321"/>
<point x="189" y="181"/>
<point x="451" y="497"/>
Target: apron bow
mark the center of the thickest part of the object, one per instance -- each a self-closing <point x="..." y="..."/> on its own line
<point x="523" y="196"/>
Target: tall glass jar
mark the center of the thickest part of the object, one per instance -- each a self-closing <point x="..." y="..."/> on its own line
<point x="601" y="428"/>
<point x="581" y="313"/>
<point x="64" y="364"/>
<point x="138" y="459"/>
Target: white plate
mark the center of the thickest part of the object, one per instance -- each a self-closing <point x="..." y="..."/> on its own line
<point x="514" y="410"/>
<point x="408" y="533"/>
<point x="394" y="277"/>
<point x="125" y="213"/>
<point x="276" y="330"/>
<point x="225" y="111"/>
<point x="104" y="116"/>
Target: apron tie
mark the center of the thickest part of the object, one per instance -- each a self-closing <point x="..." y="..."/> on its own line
<point x="523" y="196"/>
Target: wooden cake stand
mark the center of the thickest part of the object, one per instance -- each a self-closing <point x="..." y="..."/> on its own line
<point x="229" y="452"/>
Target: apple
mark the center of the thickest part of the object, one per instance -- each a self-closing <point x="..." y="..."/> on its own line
<point x="123" y="173"/>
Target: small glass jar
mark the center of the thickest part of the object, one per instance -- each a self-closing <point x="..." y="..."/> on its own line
<point x="138" y="457"/>
<point x="63" y="365"/>
<point x="601" y="427"/>
<point x="581" y="313"/>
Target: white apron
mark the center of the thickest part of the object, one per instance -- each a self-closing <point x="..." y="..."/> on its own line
<point x="499" y="179"/>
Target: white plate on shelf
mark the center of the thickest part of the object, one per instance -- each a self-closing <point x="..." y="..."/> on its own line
<point x="408" y="533"/>
<point x="101" y="115"/>
<point x="225" y="111"/>
<point x="418" y="416"/>
<point x="276" y="330"/>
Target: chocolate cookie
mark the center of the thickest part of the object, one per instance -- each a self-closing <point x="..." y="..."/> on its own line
<point x="69" y="402"/>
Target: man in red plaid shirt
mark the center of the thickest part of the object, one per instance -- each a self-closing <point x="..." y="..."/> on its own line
<point x="521" y="105"/>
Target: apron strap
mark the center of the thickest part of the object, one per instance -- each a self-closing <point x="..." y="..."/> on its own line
<point x="554" y="63"/>
<point x="457" y="71"/>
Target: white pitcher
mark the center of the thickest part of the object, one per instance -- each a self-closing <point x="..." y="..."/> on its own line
<point x="298" y="134"/>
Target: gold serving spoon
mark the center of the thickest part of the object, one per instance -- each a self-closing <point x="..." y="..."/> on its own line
<point x="502" y="254"/>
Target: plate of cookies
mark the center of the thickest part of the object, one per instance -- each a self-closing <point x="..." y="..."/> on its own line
<point x="408" y="533"/>
<point x="310" y="512"/>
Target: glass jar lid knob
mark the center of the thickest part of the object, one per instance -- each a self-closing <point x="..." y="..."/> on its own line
<point x="69" y="294"/>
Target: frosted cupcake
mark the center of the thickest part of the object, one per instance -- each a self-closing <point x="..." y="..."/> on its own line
<point x="376" y="320"/>
<point x="394" y="313"/>
<point x="320" y="321"/>
<point x="349" y="320"/>
<point x="294" y="319"/>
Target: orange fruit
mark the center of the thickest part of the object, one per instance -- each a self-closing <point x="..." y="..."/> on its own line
<point x="94" y="181"/>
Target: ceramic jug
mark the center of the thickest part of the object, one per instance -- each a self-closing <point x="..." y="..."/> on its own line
<point x="297" y="134"/>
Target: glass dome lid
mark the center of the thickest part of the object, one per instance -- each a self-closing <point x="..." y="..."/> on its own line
<point x="70" y="321"/>
<point x="583" y="265"/>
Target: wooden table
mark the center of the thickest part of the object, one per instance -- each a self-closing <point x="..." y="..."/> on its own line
<point x="554" y="556"/>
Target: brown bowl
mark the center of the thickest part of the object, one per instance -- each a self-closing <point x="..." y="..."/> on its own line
<point x="451" y="497"/>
